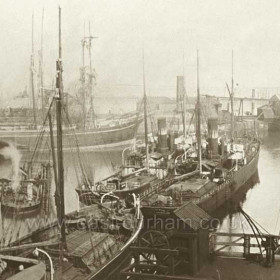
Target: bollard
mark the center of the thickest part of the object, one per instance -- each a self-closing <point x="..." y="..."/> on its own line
<point x="246" y="246"/>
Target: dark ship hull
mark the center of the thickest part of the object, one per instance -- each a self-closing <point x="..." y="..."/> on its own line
<point x="214" y="195"/>
<point x="95" y="139"/>
<point x="225" y="192"/>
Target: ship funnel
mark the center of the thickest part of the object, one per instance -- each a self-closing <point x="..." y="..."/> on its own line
<point x="162" y="135"/>
<point x="179" y="92"/>
<point x="212" y="137"/>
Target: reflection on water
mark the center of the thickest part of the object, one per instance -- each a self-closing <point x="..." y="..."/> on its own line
<point x="99" y="164"/>
<point x="260" y="197"/>
<point x="261" y="201"/>
<point x="232" y="206"/>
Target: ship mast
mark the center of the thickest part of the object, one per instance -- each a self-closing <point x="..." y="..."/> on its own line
<point x="32" y="74"/>
<point x="60" y="169"/>
<point x="231" y="98"/>
<point x="198" y="112"/>
<point x="184" y="100"/>
<point x="145" y="113"/>
<point x="41" y="67"/>
<point x="83" y="80"/>
<point x="231" y="95"/>
<point x="92" y="117"/>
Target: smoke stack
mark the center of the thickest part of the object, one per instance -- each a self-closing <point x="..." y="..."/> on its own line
<point x="180" y="92"/>
<point x="213" y="136"/>
<point x="9" y="152"/>
<point x="162" y="135"/>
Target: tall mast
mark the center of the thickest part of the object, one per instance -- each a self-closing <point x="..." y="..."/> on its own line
<point x="92" y="117"/>
<point x="198" y="132"/>
<point x="41" y="66"/>
<point x="184" y="99"/>
<point x="60" y="169"/>
<point x="83" y="79"/>
<point x="32" y="74"/>
<point x="145" y="113"/>
<point x="231" y="98"/>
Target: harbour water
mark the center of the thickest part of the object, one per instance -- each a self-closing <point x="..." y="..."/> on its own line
<point x="260" y="198"/>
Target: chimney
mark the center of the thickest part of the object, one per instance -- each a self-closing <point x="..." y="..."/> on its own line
<point x="213" y="136"/>
<point x="180" y="92"/>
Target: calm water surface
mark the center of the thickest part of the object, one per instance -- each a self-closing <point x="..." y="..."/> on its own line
<point x="260" y="198"/>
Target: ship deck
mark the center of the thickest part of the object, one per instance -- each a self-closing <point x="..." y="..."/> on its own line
<point x="137" y="181"/>
<point x="193" y="184"/>
<point x="90" y="248"/>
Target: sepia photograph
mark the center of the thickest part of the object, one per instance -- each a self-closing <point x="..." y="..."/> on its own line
<point x="139" y="140"/>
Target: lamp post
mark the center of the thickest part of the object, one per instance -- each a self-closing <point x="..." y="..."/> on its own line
<point x="36" y="253"/>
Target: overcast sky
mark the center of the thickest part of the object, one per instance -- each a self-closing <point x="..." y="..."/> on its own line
<point x="167" y="28"/>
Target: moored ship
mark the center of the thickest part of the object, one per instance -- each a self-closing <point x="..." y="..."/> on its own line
<point x="112" y="135"/>
<point x="209" y="173"/>
<point x="224" y="166"/>
<point x="21" y="124"/>
<point x="90" y="243"/>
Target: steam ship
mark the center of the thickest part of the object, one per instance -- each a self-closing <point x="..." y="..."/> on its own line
<point x="168" y="173"/>
<point x="224" y="166"/>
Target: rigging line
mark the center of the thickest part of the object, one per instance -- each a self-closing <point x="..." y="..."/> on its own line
<point x="42" y="132"/>
<point x="5" y="232"/>
<point x="252" y="225"/>
<point x="249" y="222"/>
<point x="102" y="154"/>
<point x="75" y="168"/>
<point x="258" y="224"/>
<point x="190" y="123"/>
<point x="152" y="121"/>
<point x="77" y="144"/>
<point x="73" y="152"/>
<point x="252" y="221"/>
<point x="137" y="119"/>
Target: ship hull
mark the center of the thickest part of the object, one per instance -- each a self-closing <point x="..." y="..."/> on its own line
<point x="239" y="178"/>
<point x="214" y="198"/>
<point x="112" y="270"/>
<point x="12" y="210"/>
<point x="109" y="138"/>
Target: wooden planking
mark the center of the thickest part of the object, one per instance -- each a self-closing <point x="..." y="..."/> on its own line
<point x="79" y="243"/>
